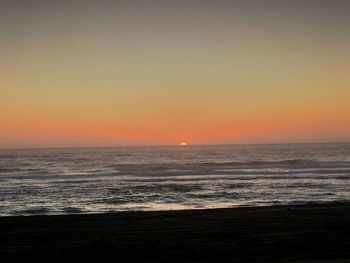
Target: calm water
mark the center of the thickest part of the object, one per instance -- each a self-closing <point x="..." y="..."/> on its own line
<point x="89" y="180"/>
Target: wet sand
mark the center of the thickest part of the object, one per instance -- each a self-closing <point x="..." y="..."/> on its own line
<point x="304" y="233"/>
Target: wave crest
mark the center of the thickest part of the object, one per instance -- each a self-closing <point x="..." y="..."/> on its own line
<point x="284" y="163"/>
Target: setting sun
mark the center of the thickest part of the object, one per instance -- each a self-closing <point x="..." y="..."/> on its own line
<point x="97" y="97"/>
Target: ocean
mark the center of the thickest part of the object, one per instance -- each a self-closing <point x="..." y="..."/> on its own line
<point x="95" y="180"/>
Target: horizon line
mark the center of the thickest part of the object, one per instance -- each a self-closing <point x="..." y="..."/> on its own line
<point x="160" y="145"/>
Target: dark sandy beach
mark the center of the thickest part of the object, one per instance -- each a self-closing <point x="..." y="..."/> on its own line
<point x="304" y="233"/>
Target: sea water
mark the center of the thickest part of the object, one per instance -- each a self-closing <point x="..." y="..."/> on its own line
<point x="93" y="180"/>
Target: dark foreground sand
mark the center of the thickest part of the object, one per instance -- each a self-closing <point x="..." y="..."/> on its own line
<point x="307" y="233"/>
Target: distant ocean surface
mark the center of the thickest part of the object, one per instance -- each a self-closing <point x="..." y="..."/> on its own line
<point x="92" y="180"/>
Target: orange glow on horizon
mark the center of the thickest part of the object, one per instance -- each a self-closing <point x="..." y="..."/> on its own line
<point x="33" y="128"/>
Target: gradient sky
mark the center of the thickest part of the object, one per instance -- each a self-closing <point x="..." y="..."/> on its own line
<point x="77" y="73"/>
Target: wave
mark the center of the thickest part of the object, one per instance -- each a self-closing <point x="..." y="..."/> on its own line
<point x="227" y="178"/>
<point x="294" y="163"/>
<point x="9" y="170"/>
<point x="72" y="210"/>
<point x="32" y="211"/>
<point x="168" y="187"/>
<point x="180" y="175"/>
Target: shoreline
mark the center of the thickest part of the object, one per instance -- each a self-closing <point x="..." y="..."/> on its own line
<point x="281" y="233"/>
<point x="187" y="210"/>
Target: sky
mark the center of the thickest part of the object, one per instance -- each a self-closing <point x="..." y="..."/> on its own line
<point x="109" y="73"/>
